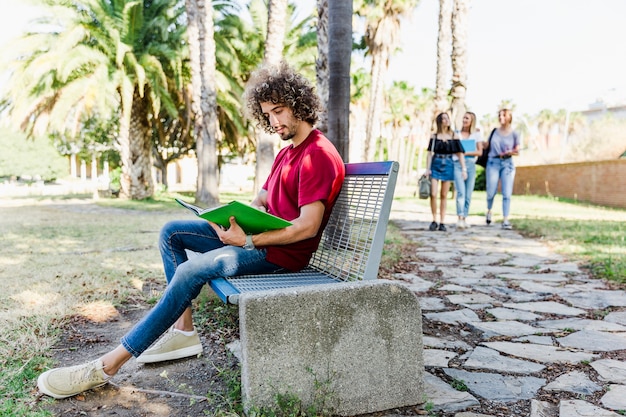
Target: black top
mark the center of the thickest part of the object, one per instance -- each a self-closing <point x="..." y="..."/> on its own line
<point x="445" y="147"/>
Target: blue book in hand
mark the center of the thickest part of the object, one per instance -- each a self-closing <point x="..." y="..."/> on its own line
<point x="469" y="145"/>
<point x="251" y="219"/>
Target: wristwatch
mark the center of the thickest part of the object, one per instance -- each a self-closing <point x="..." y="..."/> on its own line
<point x="249" y="245"/>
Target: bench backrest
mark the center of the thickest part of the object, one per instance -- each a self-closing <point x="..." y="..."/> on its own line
<point x="352" y="243"/>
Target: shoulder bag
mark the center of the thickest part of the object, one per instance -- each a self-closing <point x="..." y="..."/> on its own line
<point x="482" y="159"/>
<point x="424" y="187"/>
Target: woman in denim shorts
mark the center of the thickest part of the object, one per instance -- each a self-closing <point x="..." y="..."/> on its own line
<point x="440" y="165"/>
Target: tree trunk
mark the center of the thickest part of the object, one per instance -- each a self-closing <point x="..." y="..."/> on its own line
<point x="443" y="55"/>
<point x="321" y="64"/>
<point x="460" y="18"/>
<point x="340" y="31"/>
<point x="136" y="153"/>
<point x="274" y="43"/>
<point x="204" y="98"/>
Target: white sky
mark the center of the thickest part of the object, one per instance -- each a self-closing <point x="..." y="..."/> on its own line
<point x="538" y="53"/>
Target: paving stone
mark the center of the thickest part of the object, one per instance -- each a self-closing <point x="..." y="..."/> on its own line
<point x="445" y="398"/>
<point x="439" y="343"/>
<point x="594" y="341"/>
<point x="470" y="414"/>
<point x="534" y="277"/>
<point x="504" y="328"/>
<point x="431" y="303"/>
<point x="486" y="259"/>
<point x="611" y="370"/>
<point x="414" y="283"/>
<point x="542" y="288"/>
<point x="489" y="359"/>
<point x="474" y="298"/>
<point x="510" y="293"/>
<point x="597" y="299"/>
<point x="438" y="357"/>
<point x="581" y="324"/>
<point x="529" y="261"/>
<point x="570" y="267"/>
<point x="539" y="340"/>
<point x="575" y="381"/>
<point x="540" y="353"/>
<point x="454" y="317"/>
<point x="579" y="408"/>
<point x="546" y="307"/>
<point x="543" y="409"/>
<point x="500" y="269"/>
<point x="496" y="387"/>
<point x="502" y="313"/>
<point x="452" y="273"/>
<point x="441" y="258"/>
<point x="615" y="397"/>
<point x="454" y="288"/>
<point x="618" y="317"/>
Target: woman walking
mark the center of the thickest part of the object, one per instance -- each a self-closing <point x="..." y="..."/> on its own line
<point x="440" y="165"/>
<point x="503" y="145"/>
<point x="471" y="140"/>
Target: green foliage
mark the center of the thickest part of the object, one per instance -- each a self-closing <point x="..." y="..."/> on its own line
<point x="22" y="157"/>
<point x="459" y="385"/>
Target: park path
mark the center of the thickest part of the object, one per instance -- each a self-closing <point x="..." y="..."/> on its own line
<point x="520" y="330"/>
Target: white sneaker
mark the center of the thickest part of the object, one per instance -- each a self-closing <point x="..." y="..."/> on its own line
<point x="71" y="380"/>
<point x="466" y="225"/>
<point x="173" y="345"/>
<point x="460" y="224"/>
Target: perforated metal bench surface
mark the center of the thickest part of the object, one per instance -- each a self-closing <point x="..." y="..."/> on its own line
<point x="352" y="243"/>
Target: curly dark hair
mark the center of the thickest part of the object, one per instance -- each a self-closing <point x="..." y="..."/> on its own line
<point x="280" y="84"/>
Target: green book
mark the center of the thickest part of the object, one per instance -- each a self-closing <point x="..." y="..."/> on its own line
<point x="251" y="220"/>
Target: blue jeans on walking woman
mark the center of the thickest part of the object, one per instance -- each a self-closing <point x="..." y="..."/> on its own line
<point x="187" y="275"/>
<point x="502" y="170"/>
<point x="464" y="188"/>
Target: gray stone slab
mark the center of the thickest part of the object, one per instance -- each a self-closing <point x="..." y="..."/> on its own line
<point x="454" y="288"/>
<point x="363" y="339"/>
<point x="504" y="328"/>
<point x="496" y="387"/>
<point x="494" y="258"/>
<point x="581" y="324"/>
<point x="538" y="340"/>
<point x="438" y="357"/>
<point x="474" y="298"/>
<point x="449" y="273"/>
<point x="454" y="317"/>
<point x="489" y="359"/>
<point x="540" y="288"/>
<point x="441" y="258"/>
<point x="568" y="267"/>
<point x="540" y="353"/>
<point x="611" y="370"/>
<point x="432" y="304"/>
<point x="618" y="317"/>
<point x="476" y="282"/>
<point x="615" y="397"/>
<point x="576" y="382"/>
<point x="413" y="282"/>
<point x="550" y="307"/>
<point x="579" y="408"/>
<point x="445" y="398"/>
<point x="543" y="409"/>
<point x="499" y="270"/>
<point x="502" y="313"/>
<point x="596" y="299"/>
<point x="440" y="343"/>
<point x="594" y="341"/>
<point x="512" y="294"/>
<point x="556" y="277"/>
<point x="470" y="414"/>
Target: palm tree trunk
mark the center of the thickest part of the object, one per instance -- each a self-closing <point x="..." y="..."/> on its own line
<point x="204" y="98"/>
<point x="443" y="55"/>
<point x="460" y="17"/>
<point x="274" y="43"/>
<point x="340" y="31"/>
<point x="321" y="64"/>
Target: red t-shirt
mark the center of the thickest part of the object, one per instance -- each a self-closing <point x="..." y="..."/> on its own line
<point x="310" y="172"/>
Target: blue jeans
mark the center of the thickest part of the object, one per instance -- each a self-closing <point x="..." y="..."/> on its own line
<point x="501" y="170"/>
<point x="464" y="188"/>
<point x="187" y="275"/>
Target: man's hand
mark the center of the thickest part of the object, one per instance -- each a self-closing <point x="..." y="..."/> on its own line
<point x="233" y="235"/>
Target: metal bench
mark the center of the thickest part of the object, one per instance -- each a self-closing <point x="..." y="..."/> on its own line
<point x="352" y="243"/>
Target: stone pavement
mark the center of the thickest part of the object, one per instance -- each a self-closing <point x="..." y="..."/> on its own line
<point x="516" y="328"/>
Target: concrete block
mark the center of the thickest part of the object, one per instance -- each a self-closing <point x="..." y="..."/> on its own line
<point x="349" y="348"/>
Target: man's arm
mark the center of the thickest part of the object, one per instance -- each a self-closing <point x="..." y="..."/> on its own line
<point x="303" y="227"/>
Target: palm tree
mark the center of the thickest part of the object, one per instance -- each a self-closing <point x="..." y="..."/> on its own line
<point x="321" y="63"/>
<point x="103" y="56"/>
<point x="460" y="18"/>
<point x="204" y="97"/>
<point x="444" y="39"/>
<point x="381" y="38"/>
<point x="339" y="53"/>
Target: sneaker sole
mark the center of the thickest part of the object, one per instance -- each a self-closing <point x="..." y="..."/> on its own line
<point x="43" y="388"/>
<point x="170" y="356"/>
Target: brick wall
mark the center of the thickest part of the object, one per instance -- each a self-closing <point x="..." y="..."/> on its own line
<point x="600" y="182"/>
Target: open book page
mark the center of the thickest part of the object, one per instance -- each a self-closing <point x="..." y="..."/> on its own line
<point x="250" y="219"/>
